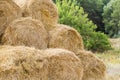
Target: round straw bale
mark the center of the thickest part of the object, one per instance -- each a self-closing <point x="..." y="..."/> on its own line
<point x="22" y="63"/>
<point x="94" y="68"/>
<point x="8" y="12"/>
<point x="27" y="32"/>
<point x="67" y="38"/>
<point x="43" y="10"/>
<point x="63" y="65"/>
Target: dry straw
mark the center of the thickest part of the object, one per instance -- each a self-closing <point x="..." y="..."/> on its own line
<point x="63" y="65"/>
<point x="20" y="3"/>
<point x="94" y="68"/>
<point x="8" y="12"/>
<point x="27" y="32"/>
<point x="67" y="38"/>
<point x="43" y="10"/>
<point x="22" y="63"/>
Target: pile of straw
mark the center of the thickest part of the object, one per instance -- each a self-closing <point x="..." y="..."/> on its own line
<point x="63" y="65"/>
<point x="66" y="37"/>
<point x="27" y="32"/>
<point x="22" y="63"/>
<point x="39" y="28"/>
<point x="94" y="68"/>
<point x="8" y="12"/>
<point x="43" y="10"/>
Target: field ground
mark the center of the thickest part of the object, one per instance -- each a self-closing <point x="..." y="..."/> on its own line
<point x="112" y="60"/>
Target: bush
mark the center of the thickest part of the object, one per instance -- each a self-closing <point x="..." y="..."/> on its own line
<point x="70" y="13"/>
<point x="97" y="41"/>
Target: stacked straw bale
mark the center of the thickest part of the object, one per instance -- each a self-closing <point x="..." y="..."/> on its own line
<point x="25" y="63"/>
<point x="63" y="65"/>
<point x="22" y="63"/>
<point x="65" y="37"/>
<point x="8" y="12"/>
<point x="27" y="32"/>
<point x="43" y="10"/>
<point x="94" y="68"/>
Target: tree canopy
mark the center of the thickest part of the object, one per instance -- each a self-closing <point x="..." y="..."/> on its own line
<point x="94" y="8"/>
<point x="112" y="18"/>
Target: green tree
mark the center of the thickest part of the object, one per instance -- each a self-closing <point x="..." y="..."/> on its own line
<point x="71" y="14"/>
<point x="94" y="8"/>
<point x="106" y="1"/>
<point x="112" y="18"/>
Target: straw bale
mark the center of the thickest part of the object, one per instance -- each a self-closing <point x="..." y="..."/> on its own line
<point x="63" y="65"/>
<point x="94" y="68"/>
<point x="43" y="10"/>
<point x="22" y="63"/>
<point x="27" y="32"/>
<point x="8" y="12"/>
<point x="66" y="37"/>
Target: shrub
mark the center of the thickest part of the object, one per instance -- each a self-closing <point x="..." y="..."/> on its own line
<point x="97" y="41"/>
<point x="70" y="13"/>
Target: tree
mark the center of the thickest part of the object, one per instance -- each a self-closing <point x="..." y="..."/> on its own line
<point x="71" y="14"/>
<point x="112" y="18"/>
<point x="94" y="8"/>
<point x="106" y="1"/>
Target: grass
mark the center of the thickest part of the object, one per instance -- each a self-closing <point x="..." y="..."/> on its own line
<point x="112" y="60"/>
<point x="112" y="56"/>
